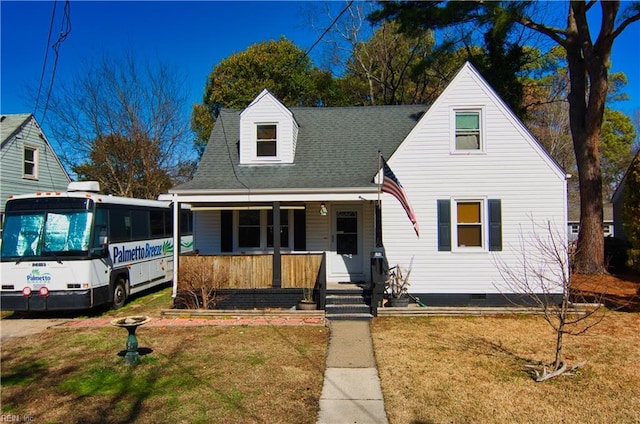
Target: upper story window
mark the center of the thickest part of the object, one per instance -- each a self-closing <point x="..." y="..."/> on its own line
<point x="30" y="162"/>
<point x="266" y="144"/>
<point x="468" y="134"/>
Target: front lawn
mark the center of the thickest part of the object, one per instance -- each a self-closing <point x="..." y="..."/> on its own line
<point x="471" y="370"/>
<point x="262" y="374"/>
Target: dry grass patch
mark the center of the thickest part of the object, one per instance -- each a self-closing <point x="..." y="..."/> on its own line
<point x="193" y="375"/>
<point x="470" y="370"/>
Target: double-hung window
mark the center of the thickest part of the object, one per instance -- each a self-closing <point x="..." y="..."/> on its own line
<point x="30" y="162"/>
<point x="249" y="229"/>
<point x="267" y="141"/>
<point x="255" y="229"/>
<point x="468" y="134"/>
<point x="469" y="225"/>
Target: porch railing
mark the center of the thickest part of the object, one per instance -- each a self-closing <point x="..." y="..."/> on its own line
<point x="299" y="270"/>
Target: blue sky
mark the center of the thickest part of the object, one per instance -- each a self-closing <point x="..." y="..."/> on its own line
<point x="191" y="36"/>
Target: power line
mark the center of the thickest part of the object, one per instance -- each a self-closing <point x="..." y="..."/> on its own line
<point x="65" y="30"/>
<point x="46" y="55"/>
<point x="329" y="27"/>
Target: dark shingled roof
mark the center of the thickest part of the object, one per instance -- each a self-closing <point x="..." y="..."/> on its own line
<point x="336" y="148"/>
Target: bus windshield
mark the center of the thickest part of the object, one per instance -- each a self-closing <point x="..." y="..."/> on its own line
<point x="46" y="234"/>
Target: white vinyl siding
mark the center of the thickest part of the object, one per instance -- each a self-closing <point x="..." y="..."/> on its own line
<point x="206" y="230"/>
<point x="513" y="169"/>
<point x="266" y="110"/>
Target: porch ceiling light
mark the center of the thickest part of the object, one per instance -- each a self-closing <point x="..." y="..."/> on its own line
<point x="323" y="209"/>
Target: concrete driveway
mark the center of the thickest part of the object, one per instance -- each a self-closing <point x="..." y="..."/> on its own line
<point x="20" y="327"/>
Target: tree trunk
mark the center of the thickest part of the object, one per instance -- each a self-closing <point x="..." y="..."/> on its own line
<point x="588" y="78"/>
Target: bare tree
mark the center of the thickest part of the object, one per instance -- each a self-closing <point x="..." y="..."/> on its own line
<point x="542" y="277"/>
<point x="141" y="106"/>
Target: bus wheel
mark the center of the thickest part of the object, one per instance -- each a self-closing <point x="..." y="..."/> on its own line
<point x="119" y="294"/>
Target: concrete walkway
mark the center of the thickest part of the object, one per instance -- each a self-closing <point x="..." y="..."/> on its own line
<point x="351" y="391"/>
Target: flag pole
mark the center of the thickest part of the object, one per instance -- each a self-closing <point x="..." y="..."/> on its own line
<point x="378" y="231"/>
<point x="380" y="176"/>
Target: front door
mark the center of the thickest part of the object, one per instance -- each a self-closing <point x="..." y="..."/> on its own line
<point x="347" y="243"/>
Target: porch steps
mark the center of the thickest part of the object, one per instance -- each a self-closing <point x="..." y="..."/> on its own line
<point x="348" y="303"/>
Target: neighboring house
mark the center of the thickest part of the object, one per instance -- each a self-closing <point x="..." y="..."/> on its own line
<point x="618" y="203"/>
<point x="479" y="183"/>
<point x="573" y="220"/>
<point x="27" y="161"/>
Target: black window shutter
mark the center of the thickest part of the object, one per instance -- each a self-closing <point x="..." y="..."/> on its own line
<point x="226" y="231"/>
<point x="444" y="225"/>
<point x="495" y="225"/>
<point x="299" y="229"/>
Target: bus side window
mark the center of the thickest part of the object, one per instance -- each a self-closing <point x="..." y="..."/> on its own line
<point x="168" y="223"/>
<point x="100" y="235"/>
<point x="119" y="225"/>
<point x="157" y="223"/>
<point x="139" y="224"/>
<point x="185" y="223"/>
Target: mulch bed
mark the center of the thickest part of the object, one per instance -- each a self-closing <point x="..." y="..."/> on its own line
<point x="620" y="292"/>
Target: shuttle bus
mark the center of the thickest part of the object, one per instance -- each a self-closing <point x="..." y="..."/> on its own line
<point x="80" y="249"/>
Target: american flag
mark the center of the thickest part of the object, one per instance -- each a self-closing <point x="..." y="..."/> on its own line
<point x="391" y="185"/>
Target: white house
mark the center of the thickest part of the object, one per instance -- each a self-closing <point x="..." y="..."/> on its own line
<point x="478" y="181"/>
<point x="27" y="161"/>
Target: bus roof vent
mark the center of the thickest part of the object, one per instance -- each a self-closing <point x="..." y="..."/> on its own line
<point x="92" y="186"/>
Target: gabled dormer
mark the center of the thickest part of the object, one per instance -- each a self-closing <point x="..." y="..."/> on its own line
<point x="268" y="132"/>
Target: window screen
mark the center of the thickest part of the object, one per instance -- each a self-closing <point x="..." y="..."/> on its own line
<point x="467" y="130"/>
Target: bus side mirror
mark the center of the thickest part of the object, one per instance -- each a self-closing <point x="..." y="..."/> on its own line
<point x="102" y="239"/>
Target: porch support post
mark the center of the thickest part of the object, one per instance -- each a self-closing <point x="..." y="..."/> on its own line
<point x="277" y="271"/>
<point x="176" y="245"/>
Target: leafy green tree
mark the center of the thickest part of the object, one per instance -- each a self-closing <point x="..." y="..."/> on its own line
<point x="382" y="70"/>
<point x="588" y="62"/>
<point x="616" y="147"/>
<point x="499" y="60"/>
<point x="126" y="166"/>
<point x="279" y="66"/>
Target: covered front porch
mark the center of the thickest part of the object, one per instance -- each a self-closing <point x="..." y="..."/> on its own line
<point x="321" y="244"/>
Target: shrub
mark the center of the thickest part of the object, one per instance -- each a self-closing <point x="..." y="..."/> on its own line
<point x="198" y="286"/>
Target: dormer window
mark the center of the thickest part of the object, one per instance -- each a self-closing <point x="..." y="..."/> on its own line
<point x="266" y="144"/>
<point x="268" y="132"/>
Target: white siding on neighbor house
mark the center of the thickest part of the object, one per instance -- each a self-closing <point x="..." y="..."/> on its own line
<point x="50" y="176"/>
<point x="206" y="232"/>
<point x="513" y="168"/>
<point x="267" y="110"/>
